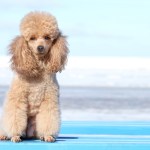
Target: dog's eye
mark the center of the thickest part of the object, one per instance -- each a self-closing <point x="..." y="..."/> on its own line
<point x="46" y="37"/>
<point x="32" y="38"/>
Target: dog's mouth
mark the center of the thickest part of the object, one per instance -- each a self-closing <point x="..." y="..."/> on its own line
<point x="41" y="53"/>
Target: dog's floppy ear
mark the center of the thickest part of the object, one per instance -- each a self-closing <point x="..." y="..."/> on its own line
<point x="22" y="60"/>
<point x="58" y="54"/>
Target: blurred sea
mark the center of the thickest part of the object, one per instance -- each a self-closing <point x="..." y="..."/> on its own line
<point x="101" y="103"/>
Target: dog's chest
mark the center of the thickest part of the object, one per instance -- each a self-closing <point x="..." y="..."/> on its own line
<point x="35" y="98"/>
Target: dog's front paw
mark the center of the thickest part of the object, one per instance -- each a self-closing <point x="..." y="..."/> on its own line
<point x="2" y="137"/>
<point x="48" y="139"/>
<point x="16" y="139"/>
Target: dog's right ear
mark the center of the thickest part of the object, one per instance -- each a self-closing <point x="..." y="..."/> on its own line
<point x="22" y="60"/>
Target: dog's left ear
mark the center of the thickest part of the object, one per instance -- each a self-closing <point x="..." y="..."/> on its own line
<point x="58" y="54"/>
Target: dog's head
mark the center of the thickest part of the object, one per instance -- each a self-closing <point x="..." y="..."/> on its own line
<point x="40" y="40"/>
<point x="40" y="30"/>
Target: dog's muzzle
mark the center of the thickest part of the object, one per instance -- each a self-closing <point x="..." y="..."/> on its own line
<point x="41" y="49"/>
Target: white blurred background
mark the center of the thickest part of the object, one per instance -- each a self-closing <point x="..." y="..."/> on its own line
<point x="108" y="40"/>
<point x="109" y="55"/>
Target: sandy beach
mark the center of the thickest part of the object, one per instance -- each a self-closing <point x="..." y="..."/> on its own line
<point x="99" y="103"/>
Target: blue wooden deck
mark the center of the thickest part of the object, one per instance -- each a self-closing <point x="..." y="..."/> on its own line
<point x="92" y="136"/>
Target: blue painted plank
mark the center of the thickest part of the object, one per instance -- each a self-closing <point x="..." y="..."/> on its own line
<point x="92" y="136"/>
<point x="142" y="128"/>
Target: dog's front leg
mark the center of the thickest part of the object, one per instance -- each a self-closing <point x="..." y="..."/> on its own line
<point x="14" y="120"/>
<point x="48" y="118"/>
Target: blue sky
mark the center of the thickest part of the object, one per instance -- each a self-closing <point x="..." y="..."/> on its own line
<point x="93" y="27"/>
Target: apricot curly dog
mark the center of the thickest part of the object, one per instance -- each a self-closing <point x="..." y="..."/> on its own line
<point x="32" y="105"/>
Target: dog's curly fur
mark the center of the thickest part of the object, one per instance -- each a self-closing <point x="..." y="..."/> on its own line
<point x="32" y="105"/>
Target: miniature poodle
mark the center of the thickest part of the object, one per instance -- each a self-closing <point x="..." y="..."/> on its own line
<point x="31" y="109"/>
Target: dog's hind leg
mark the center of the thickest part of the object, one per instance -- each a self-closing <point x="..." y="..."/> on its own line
<point x="15" y="115"/>
<point x="48" y="118"/>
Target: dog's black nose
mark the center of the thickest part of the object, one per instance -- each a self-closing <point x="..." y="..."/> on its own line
<point x="40" y="48"/>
